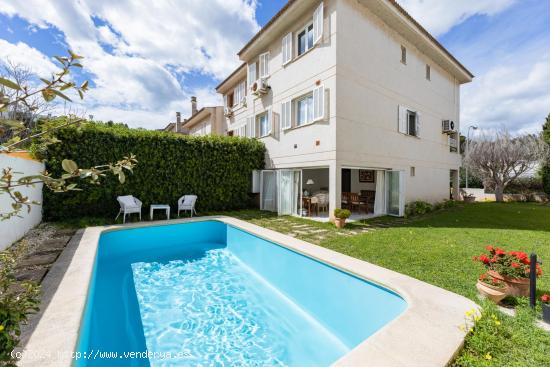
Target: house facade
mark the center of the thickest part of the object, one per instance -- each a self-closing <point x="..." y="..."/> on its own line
<point x="354" y="101"/>
<point x="204" y="121"/>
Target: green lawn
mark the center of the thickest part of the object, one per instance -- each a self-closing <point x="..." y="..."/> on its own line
<point x="438" y="248"/>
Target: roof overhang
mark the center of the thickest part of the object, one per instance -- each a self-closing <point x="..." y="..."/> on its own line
<point x="237" y="75"/>
<point x="280" y="23"/>
<point x="403" y="23"/>
<point x="198" y="117"/>
<point x="388" y="10"/>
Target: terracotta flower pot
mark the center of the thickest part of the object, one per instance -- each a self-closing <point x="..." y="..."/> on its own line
<point x="517" y="287"/>
<point x="340" y="223"/>
<point x="546" y="313"/>
<point x="495" y="294"/>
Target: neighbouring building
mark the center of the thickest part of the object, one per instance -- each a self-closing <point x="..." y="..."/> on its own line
<point x="357" y="104"/>
<point x="204" y="121"/>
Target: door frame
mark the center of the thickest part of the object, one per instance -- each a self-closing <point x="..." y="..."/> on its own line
<point x="300" y="200"/>
<point x="401" y="176"/>
<point x="262" y="188"/>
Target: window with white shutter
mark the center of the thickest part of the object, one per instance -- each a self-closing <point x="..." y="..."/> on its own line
<point x="287" y="48"/>
<point x="417" y="125"/>
<point x="319" y="103"/>
<point x="402" y="120"/>
<point x="286" y="120"/>
<point x="250" y="127"/>
<point x="251" y="73"/>
<point x="318" y="23"/>
<point x="264" y="65"/>
<point x="409" y="121"/>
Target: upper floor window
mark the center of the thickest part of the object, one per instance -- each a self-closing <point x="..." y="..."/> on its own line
<point x="409" y="121"/>
<point x="403" y="55"/>
<point x="428" y="72"/>
<point x="305" y="39"/>
<point x="304" y="109"/>
<point x="263" y="124"/>
<point x="239" y="93"/>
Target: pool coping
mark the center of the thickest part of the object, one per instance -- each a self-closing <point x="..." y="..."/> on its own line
<point x="426" y="334"/>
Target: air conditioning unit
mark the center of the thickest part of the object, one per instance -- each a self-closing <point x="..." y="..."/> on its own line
<point x="260" y="87"/>
<point x="448" y="127"/>
<point x="227" y="112"/>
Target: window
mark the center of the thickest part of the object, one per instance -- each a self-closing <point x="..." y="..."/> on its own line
<point x="264" y="65"/>
<point x="305" y="39"/>
<point x="263" y="124"/>
<point x="428" y="72"/>
<point x="304" y="110"/>
<point x="251" y="73"/>
<point x="318" y="20"/>
<point x="287" y="48"/>
<point x="239" y="94"/>
<point x="411" y="123"/>
<point x="403" y="55"/>
<point x="413" y="171"/>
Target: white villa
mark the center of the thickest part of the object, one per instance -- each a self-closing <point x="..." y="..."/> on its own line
<point x="357" y="104"/>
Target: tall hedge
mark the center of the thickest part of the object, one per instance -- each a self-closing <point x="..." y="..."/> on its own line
<point x="217" y="169"/>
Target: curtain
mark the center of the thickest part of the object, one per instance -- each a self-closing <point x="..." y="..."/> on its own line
<point x="380" y="195"/>
<point x="288" y="191"/>
<point x="269" y="191"/>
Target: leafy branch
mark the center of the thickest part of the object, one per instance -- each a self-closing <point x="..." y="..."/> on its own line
<point x="54" y="87"/>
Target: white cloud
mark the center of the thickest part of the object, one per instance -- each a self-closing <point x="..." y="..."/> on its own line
<point x="137" y="51"/>
<point x="23" y="54"/>
<point x="513" y="96"/>
<point x="438" y="16"/>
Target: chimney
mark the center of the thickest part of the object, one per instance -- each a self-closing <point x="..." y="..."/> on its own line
<point x="178" y="122"/>
<point x="193" y="105"/>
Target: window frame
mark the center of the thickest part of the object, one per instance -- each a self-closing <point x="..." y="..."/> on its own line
<point x="258" y="122"/>
<point x="306" y="34"/>
<point x="415" y="122"/>
<point x="309" y="110"/>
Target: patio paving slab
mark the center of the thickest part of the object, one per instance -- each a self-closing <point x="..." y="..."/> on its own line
<point x="33" y="275"/>
<point x="37" y="260"/>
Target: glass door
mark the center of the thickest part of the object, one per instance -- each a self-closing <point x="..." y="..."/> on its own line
<point x="395" y="203"/>
<point x="289" y="192"/>
<point x="268" y="191"/>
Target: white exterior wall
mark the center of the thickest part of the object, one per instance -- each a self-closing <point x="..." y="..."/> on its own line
<point x="291" y="81"/>
<point x="371" y="84"/>
<point x="14" y="228"/>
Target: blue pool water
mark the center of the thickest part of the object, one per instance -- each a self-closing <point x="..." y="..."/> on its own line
<point x="209" y="294"/>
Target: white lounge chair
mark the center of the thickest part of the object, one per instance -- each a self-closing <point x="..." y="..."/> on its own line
<point x="187" y="202"/>
<point x="128" y="205"/>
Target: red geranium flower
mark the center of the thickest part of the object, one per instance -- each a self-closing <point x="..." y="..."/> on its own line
<point x="490" y="248"/>
<point x="499" y="251"/>
<point x="484" y="259"/>
<point x="545" y="298"/>
<point x="514" y="264"/>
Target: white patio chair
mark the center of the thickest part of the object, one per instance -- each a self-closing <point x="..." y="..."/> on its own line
<point x="187" y="202"/>
<point x="128" y="205"/>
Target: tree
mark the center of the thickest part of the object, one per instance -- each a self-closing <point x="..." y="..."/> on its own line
<point x="500" y="158"/>
<point x="54" y="87"/>
<point x="545" y="169"/>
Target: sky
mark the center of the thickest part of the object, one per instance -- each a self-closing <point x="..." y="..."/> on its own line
<point x="144" y="60"/>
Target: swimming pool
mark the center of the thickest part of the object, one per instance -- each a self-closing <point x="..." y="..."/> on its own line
<point x="210" y="294"/>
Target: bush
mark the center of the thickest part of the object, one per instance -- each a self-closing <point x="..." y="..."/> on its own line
<point x="342" y="213"/>
<point x="216" y="168"/>
<point x="17" y="301"/>
<point x="417" y="208"/>
<point x="525" y="185"/>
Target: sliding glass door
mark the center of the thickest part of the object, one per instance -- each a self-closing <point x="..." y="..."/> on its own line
<point x="289" y="192"/>
<point x="395" y="200"/>
<point x="268" y="192"/>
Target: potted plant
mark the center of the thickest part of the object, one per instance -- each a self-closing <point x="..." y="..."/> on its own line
<point x="340" y="216"/>
<point x="511" y="267"/>
<point x="546" y="307"/>
<point x="491" y="288"/>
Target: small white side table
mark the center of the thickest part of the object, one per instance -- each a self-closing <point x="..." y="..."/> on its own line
<point x="161" y="207"/>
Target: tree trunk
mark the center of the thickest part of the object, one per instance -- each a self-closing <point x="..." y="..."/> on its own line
<point x="499" y="192"/>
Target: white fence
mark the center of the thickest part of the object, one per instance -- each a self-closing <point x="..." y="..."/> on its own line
<point x="14" y="228"/>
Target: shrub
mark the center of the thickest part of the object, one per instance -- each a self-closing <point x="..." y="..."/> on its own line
<point x="17" y="301"/>
<point x="216" y="168"/>
<point x="342" y="213"/>
<point x="417" y="208"/>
